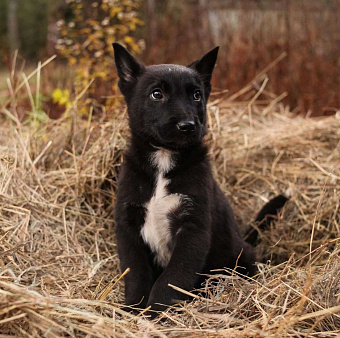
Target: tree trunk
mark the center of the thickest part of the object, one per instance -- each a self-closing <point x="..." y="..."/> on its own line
<point x="151" y="26"/>
<point x="12" y="25"/>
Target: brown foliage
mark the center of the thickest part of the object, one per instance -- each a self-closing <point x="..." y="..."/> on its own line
<point x="251" y="35"/>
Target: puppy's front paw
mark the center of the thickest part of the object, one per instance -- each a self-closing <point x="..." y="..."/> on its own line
<point x="160" y="299"/>
<point x="131" y="309"/>
<point x="152" y="313"/>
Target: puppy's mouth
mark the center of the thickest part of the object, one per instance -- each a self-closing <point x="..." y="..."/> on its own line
<point x="174" y="139"/>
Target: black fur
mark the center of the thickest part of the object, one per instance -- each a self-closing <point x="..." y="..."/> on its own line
<point x="204" y="233"/>
<point x="265" y="217"/>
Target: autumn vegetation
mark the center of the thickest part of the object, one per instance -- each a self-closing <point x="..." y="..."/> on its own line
<point x="63" y="129"/>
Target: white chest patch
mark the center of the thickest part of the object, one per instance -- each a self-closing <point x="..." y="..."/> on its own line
<point x="156" y="229"/>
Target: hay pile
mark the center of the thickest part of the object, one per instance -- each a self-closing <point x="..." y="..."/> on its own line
<point x="59" y="272"/>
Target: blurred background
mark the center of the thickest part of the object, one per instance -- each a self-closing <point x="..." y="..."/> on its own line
<point x="294" y="44"/>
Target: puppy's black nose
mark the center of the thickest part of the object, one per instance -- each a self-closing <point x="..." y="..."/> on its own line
<point x="186" y="126"/>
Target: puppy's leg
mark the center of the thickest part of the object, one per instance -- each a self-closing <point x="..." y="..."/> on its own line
<point x="188" y="257"/>
<point x="133" y="254"/>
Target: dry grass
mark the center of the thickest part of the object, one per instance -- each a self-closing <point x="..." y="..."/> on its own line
<point x="59" y="273"/>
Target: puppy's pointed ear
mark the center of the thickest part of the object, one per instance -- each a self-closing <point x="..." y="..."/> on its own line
<point x="205" y="65"/>
<point x="128" y="67"/>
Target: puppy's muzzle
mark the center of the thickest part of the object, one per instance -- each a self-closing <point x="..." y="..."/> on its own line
<point x="186" y="127"/>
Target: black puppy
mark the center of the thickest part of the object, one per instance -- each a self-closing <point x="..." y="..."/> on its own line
<point x="173" y="221"/>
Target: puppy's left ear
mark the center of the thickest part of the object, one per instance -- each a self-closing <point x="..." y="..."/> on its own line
<point x="205" y="67"/>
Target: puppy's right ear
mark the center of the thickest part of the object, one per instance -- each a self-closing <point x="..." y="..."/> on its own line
<point x="128" y="67"/>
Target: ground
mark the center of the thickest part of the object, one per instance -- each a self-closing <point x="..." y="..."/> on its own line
<point x="59" y="270"/>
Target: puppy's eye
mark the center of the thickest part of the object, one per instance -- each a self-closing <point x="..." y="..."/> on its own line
<point x="197" y="95"/>
<point x="156" y="95"/>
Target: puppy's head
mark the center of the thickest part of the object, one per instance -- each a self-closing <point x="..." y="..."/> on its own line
<point x="166" y="103"/>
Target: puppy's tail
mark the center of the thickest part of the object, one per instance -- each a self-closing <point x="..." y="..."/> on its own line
<point x="266" y="215"/>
